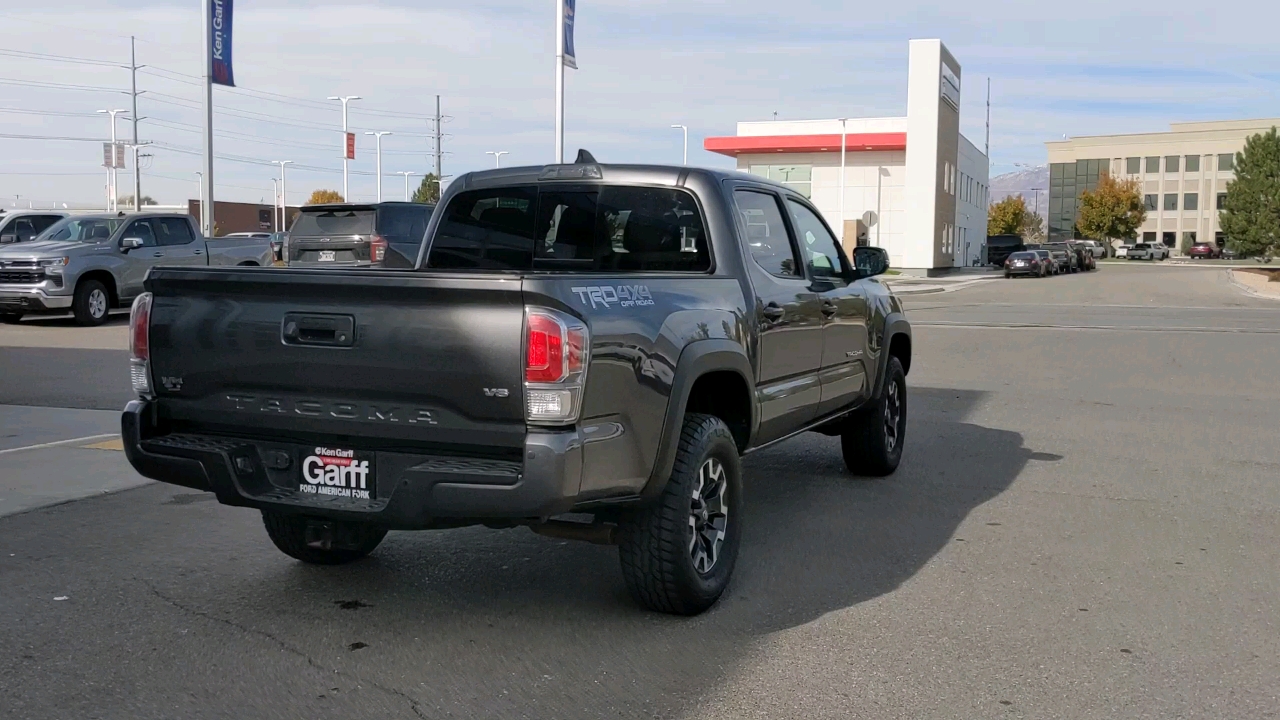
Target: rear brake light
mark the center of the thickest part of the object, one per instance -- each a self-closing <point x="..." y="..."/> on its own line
<point x="377" y="248"/>
<point x="556" y="357"/>
<point x="140" y="344"/>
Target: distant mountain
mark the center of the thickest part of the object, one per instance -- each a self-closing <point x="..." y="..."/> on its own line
<point x="1023" y="182"/>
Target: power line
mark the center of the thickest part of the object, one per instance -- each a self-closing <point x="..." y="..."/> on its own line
<point x="54" y="58"/>
<point x="60" y="86"/>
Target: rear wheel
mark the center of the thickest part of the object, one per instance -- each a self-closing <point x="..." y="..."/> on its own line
<point x="678" y="553"/>
<point x="11" y="318"/>
<point x="873" y="439"/>
<point x="91" y="303"/>
<point x="321" y="542"/>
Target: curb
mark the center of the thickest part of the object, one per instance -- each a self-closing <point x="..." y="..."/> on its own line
<point x="1248" y="290"/>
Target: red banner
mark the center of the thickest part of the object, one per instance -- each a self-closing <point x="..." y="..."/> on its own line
<point x="351" y="146"/>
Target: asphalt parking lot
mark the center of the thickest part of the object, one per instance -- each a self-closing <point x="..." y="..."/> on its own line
<point x="1086" y="524"/>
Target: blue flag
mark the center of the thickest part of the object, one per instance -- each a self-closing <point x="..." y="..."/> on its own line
<point x="570" y="60"/>
<point x="220" y="43"/>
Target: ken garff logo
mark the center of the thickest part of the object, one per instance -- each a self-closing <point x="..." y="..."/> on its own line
<point x="610" y="295"/>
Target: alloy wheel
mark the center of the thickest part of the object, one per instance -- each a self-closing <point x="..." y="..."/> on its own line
<point x="708" y="515"/>
<point x="892" y="415"/>
<point x="97" y="303"/>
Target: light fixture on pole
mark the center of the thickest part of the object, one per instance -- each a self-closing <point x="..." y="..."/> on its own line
<point x="497" y="156"/>
<point x="406" y="174"/>
<point x="686" y="142"/>
<point x="112" y="205"/>
<point x="844" y="136"/>
<point x="377" y="138"/>
<point x="348" y="140"/>
<point x="200" y="185"/>
<point x="284" y="195"/>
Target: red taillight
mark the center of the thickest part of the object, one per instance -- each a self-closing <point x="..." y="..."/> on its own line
<point x="377" y="248"/>
<point x="140" y="327"/>
<point x="545" y="357"/>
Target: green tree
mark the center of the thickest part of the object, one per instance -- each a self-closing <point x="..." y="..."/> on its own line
<point x="428" y="190"/>
<point x="1111" y="211"/>
<point x="1251" y="217"/>
<point x="1032" y="228"/>
<point x="320" y="197"/>
<point x="1007" y="217"/>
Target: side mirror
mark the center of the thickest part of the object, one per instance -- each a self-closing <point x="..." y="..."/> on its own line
<point x="870" y="261"/>
<point x="8" y="238"/>
<point x="130" y="243"/>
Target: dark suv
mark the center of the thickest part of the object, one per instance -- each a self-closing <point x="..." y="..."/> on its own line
<point x="357" y="235"/>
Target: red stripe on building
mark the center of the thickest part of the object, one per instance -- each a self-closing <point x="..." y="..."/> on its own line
<point x="859" y="142"/>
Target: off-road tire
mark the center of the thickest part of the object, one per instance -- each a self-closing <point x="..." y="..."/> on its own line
<point x="866" y="441"/>
<point x="90" y="307"/>
<point x="656" y="543"/>
<point x="11" y="318"/>
<point x="289" y="533"/>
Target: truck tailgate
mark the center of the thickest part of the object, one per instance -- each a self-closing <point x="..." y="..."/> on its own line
<point x="377" y="359"/>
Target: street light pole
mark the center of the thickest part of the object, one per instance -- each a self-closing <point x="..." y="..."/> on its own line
<point x="284" y="195"/>
<point x="844" y="135"/>
<point x="497" y="156"/>
<point x="112" y="192"/>
<point x="377" y="139"/>
<point x="685" y="130"/>
<point x="406" y="174"/>
<point x="344" y="100"/>
<point x="200" y="181"/>
<point x="275" y="204"/>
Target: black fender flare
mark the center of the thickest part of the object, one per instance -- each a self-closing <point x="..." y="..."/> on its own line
<point x="895" y="323"/>
<point x="697" y="359"/>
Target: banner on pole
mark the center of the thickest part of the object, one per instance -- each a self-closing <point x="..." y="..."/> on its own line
<point x="350" y="150"/>
<point x="119" y="156"/>
<point x="220" y="43"/>
<point x="570" y="59"/>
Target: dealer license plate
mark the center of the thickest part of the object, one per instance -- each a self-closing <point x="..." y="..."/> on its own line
<point x="327" y="256"/>
<point x="336" y="472"/>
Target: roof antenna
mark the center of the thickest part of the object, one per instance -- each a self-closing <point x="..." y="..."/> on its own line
<point x="584" y="158"/>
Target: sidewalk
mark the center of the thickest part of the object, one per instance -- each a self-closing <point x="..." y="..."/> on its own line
<point x="1255" y="284"/>
<point x="910" y="285"/>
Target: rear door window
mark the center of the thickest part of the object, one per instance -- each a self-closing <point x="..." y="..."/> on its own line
<point x="172" y="231"/>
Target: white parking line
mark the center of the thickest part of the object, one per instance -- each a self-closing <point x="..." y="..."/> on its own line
<point x="60" y="442"/>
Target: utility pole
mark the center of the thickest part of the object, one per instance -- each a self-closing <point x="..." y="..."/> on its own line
<point x="439" y="152"/>
<point x="345" y="134"/>
<point x="284" y="197"/>
<point x="137" y="171"/>
<point x="377" y="138"/>
<point x="112" y="192"/>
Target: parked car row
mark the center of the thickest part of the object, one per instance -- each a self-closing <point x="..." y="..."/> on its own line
<point x="1045" y="259"/>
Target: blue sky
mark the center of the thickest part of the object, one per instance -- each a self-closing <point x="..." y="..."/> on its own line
<point x="1084" y="68"/>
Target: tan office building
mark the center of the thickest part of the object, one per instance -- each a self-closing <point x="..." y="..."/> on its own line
<point x="1183" y="172"/>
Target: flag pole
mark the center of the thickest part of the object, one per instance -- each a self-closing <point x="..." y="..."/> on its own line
<point x="559" y="80"/>
<point x="206" y="192"/>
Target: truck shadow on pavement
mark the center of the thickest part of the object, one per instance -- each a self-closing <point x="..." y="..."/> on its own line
<point x="512" y="625"/>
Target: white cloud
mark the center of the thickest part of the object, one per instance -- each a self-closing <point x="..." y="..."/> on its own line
<point x="1096" y="66"/>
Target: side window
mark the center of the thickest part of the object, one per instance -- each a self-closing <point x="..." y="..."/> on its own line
<point x="24" y="229"/>
<point x="817" y="246"/>
<point x="172" y="231"/>
<point x="767" y="233"/>
<point x="487" y="229"/>
<point x="43" y="222"/>
<point x="649" y="229"/>
<point x="141" y="229"/>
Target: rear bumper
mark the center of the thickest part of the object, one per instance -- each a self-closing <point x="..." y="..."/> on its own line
<point x="31" y="299"/>
<point x="411" y="491"/>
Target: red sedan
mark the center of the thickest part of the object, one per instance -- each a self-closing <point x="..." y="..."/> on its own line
<point x="1203" y="251"/>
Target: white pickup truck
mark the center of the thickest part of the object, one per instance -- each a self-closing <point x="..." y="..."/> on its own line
<point x="1147" y="251"/>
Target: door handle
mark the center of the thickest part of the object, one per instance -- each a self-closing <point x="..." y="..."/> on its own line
<point x="828" y="308"/>
<point x="323" y="330"/>
<point x="773" y="312"/>
<point x="197" y="252"/>
<point x="157" y="254"/>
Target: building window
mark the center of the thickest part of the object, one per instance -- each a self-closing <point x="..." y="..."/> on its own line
<point x="1222" y="201"/>
<point x="1133" y="166"/>
<point x="1148" y="237"/>
<point x="1171" y="201"/>
<point x="1226" y="161"/>
<point x="1193" y="163"/>
<point x="1220" y="239"/>
<point x="1153" y="164"/>
<point x="1191" y="201"/>
<point x="1170" y="239"/>
<point x="796" y="177"/>
<point x="1171" y="163"/>
<point x="1149" y="201"/>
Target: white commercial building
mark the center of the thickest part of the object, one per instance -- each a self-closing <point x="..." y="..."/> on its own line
<point x="912" y="185"/>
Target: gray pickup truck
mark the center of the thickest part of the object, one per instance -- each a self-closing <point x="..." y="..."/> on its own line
<point x="92" y="263"/>
<point x="602" y="341"/>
